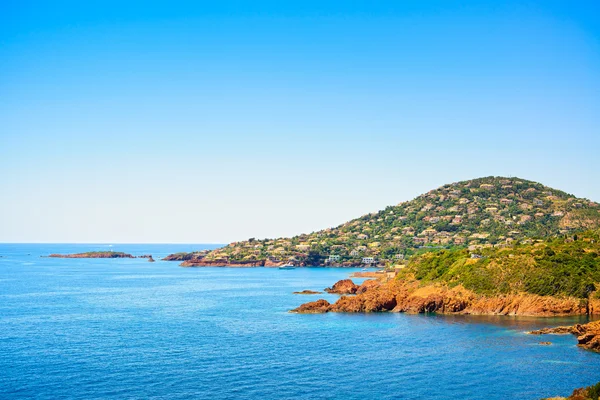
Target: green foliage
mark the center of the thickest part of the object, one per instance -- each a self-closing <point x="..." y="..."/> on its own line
<point x="556" y="267"/>
<point x="314" y="258"/>
<point x="594" y="391"/>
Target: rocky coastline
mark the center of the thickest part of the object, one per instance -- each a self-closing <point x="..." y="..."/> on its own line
<point x="201" y="262"/>
<point x="588" y="335"/>
<point x="411" y="297"/>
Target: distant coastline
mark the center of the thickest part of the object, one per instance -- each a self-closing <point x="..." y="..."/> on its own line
<point x="101" y="254"/>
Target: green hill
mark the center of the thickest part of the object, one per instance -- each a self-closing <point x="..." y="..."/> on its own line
<point x="490" y="212"/>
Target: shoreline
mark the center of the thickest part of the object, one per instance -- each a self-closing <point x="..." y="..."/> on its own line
<point x="411" y="297"/>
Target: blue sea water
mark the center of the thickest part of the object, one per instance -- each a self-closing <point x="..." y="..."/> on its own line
<point x="130" y="329"/>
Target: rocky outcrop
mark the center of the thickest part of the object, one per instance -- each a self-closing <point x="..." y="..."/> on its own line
<point x="411" y="297"/>
<point x="588" y="335"/>
<point x="270" y="263"/>
<point x="314" y="307"/>
<point x="345" y="286"/>
<point x="368" y="284"/>
<point x="94" y="254"/>
<point x="307" y="292"/>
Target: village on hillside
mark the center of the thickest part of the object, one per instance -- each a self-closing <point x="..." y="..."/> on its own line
<point x="481" y="213"/>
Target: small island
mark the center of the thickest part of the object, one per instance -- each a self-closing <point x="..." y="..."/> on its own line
<point x="94" y="254"/>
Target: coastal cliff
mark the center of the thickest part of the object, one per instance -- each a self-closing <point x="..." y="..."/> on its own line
<point x="410" y="297"/>
<point x="554" y="277"/>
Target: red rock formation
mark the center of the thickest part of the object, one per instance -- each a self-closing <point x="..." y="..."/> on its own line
<point x="345" y="286"/>
<point x="307" y="292"/>
<point x="368" y="284"/>
<point x="314" y="307"/>
<point x="269" y="263"/>
<point x="588" y="335"/>
<point x="398" y="296"/>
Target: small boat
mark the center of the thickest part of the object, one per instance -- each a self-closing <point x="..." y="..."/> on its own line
<point x="365" y="269"/>
<point x="287" y="266"/>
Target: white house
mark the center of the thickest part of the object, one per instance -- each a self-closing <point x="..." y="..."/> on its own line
<point x="368" y="260"/>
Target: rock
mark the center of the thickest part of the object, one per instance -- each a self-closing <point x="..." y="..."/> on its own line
<point x="307" y="292"/>
<point x="545" y="343"/>
<point x="271" y="263"/>
<point x="587" y="393"/>
<point x="412" y="297"/>
<point x="588" y="335"/>
<point x="560" y="330"/>
<point x="150" y="259"/>
<point x="344" y="286"/>
<point x="314" y="307"/>
<point x="368" y="284"/>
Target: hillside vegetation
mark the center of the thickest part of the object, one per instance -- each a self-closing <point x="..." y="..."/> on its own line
<point x="491" y="212"/>
<point x="554" y="267"/>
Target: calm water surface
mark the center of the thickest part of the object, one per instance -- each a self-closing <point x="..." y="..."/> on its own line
<point x="132" y="329"/>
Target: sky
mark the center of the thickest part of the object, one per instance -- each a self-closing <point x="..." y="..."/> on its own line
<point x="212" y="122"/>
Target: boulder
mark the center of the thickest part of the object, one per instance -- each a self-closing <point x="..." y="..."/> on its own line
<point x="345" y="286"/>
<point x="314" y="307"/>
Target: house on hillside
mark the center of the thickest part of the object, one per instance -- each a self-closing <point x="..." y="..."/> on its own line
<point x="409" y="230"/>
<point x="420" y="240"/>
<point x="459" y="240"/>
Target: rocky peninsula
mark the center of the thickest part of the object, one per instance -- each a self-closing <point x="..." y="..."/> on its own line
<point x="411" y="297"/>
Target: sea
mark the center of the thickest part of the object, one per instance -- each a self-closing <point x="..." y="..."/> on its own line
<point x="131" y="329"/>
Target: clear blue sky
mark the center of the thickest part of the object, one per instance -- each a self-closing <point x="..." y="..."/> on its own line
<point x="198" y="122"/>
